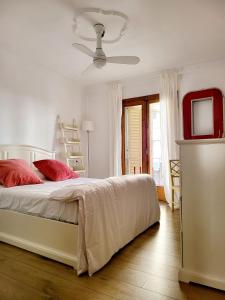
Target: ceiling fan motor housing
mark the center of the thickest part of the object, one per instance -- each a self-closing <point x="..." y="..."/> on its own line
<point x="99" y="62"/>
<point x="100" y="57"/>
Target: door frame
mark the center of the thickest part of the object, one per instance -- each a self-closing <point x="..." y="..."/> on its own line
<point x="144" y="101"/>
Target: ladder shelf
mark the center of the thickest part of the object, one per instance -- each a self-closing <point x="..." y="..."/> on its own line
<point x="69" y="127"/>
<point x="72" y="146"/>
<point x="71" y="141"/>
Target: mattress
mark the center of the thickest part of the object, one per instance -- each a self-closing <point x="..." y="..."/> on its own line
<point x="34" y="199"/>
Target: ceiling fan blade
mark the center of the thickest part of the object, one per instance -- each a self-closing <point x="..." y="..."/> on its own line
<point x="84" y="49"/>
<point x="90" y="68"/>
<point x="127" y="60"/>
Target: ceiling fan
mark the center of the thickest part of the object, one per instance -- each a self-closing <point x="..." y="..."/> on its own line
<point x="99" y="57"/>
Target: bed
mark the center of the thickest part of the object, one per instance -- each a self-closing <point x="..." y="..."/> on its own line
<point x="80" y="222"/>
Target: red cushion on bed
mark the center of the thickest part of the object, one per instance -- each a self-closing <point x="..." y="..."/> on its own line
<point x="17" y="172"/>
<point x="54" y="169"/>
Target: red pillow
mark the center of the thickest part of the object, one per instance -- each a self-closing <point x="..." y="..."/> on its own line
<point x="54" y="169"/>
<point x="17" y="172"/>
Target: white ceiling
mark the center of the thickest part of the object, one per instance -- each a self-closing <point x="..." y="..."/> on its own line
<point x="163" y="33"/>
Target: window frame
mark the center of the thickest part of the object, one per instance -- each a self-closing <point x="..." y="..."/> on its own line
<point x="144" y="101"/>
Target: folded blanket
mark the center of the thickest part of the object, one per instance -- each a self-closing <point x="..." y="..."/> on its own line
<point x="112" y="212"/>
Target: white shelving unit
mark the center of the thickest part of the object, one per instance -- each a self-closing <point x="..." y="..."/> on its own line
<point x="72" y="147"/>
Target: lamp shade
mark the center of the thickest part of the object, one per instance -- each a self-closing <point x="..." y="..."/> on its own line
<point x="87" y="126"/>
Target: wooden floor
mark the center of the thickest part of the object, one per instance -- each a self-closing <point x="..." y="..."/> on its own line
<point x="145" y="269"/>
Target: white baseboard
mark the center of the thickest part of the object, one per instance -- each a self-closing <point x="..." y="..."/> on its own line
<point x="189" y="276"/>
<point x="39" y="249"/>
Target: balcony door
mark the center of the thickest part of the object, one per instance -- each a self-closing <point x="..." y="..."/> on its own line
<point x="141" y="144"/>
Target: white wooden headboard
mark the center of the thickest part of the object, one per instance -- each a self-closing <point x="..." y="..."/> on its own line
<point x="28" y="153"/>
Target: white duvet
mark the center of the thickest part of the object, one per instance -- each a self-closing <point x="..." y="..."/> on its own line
<point x="112" y="212"/>
<point x="34" y="199"/>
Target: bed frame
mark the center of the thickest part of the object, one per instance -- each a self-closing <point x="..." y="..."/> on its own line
<point x="53" y="239"/>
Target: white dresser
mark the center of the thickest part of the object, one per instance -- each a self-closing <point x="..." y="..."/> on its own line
<point x="203" y="212"/>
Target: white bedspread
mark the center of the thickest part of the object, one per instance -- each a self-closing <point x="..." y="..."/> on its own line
<point x="34" y="199"/>
<point x="111" y="213"/>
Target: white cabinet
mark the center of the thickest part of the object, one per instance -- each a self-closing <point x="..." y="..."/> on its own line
<point x="203" y="212"/>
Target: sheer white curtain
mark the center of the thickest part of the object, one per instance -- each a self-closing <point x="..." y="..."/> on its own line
<point x="115" y="113"/>
<point x="169" y="125"/>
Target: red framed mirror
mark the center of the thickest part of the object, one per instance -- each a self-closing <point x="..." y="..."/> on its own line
<point x="203" y="114"/>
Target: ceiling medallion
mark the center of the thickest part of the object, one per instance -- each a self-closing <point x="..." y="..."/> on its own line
<point x="84" y="13"/>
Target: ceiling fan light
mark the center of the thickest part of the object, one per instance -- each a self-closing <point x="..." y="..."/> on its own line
<point x="99" y="63"/>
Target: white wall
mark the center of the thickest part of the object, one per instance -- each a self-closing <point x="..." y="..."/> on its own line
<point x="141" y="86"/>
<point x="195" y="77"/>
<point x="199" y="77"/>
<point x="203" y="76"/>
<point x="97" y="111"/>
<point x="31" y="97"/>
<point x="191" y="78"/>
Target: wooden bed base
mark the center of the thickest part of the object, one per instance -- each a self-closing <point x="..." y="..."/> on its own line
<point x="53" y="239"/>
<point x="50" y="238"/>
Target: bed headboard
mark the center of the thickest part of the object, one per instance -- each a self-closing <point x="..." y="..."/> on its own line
<point x="28" y="153"/>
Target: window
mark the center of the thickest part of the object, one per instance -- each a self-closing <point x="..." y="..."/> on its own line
<point x="141" y="142"/>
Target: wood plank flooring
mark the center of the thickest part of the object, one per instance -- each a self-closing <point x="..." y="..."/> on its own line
<point x="145" y="269"/>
